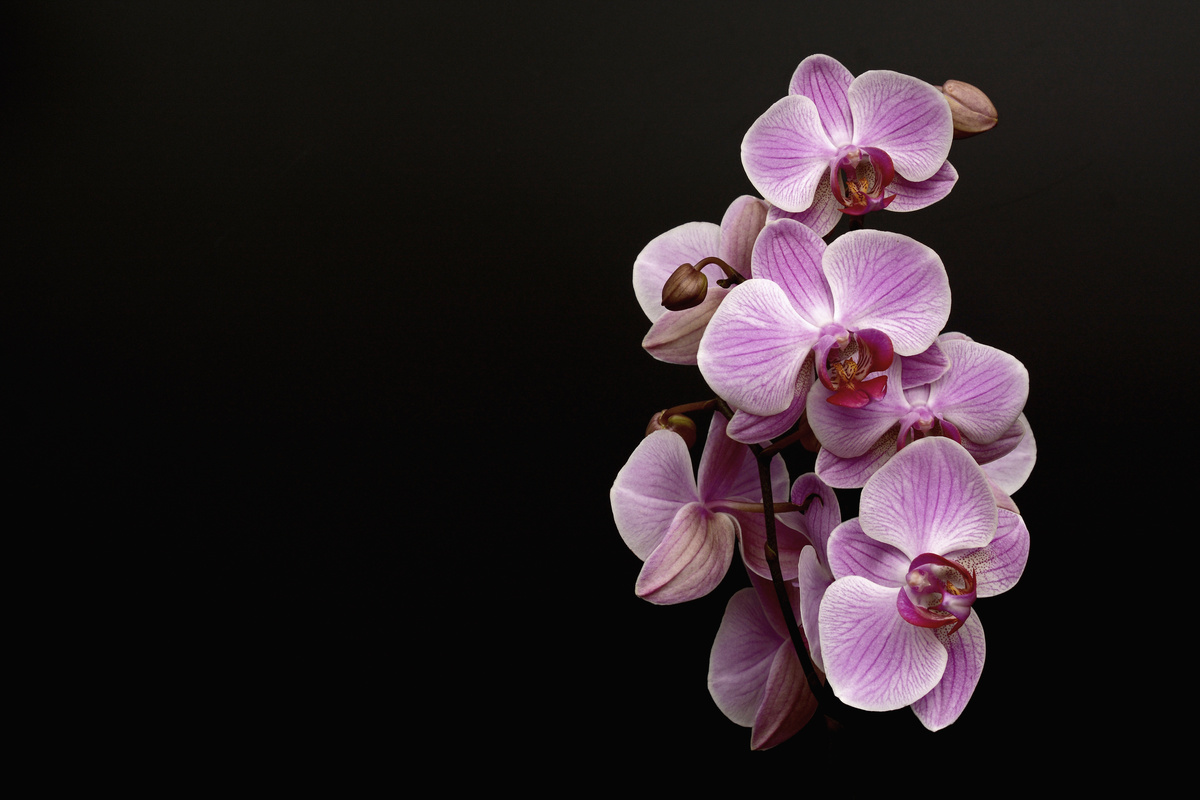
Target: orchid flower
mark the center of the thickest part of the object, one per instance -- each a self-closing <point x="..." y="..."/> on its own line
<point x="838" y="143"/>
<point x="675" y="335"/>
<point x="684" y="527"/>
<point x="754" y="676"/>
<point x="976" y="400"/>
<point x="852" y="305"/>
<point x="897" y="626"/>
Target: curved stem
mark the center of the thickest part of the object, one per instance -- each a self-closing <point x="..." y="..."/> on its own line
<point x="733" y="277"/>
<point x="771" y="551"/>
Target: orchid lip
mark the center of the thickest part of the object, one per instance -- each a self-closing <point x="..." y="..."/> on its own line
<point x="858" y="176"/>
<point x="845" y="367"/>
<point x="936" y="592"/>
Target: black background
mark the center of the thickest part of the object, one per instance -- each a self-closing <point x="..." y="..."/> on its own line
<point x="322" y="355"/>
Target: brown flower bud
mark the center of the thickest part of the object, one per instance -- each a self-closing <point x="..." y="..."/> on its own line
<point x="686" y="288"/>
<point x="677" y="423"/>
<point x="973" y="112"/>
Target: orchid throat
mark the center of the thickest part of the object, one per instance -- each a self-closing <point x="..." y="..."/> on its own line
<point x="848" y="362"/>
<point x="858" y="176"/>
<point x="936" y="592"/>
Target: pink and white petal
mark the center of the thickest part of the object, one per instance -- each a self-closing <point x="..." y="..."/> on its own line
<point x="999" y="566"/>
<point x="822" y="216"/>
<point x="874" y="660"/>
<point x="741" y="658"/>
<point x="964" y="664"/>
<point x="931" y="497"/>
<point x="785" y="152"/>
<point x="825" y="81"/>
<point x="850" y="551"/>
<point x="675" y="336"/>
<point x="914" y="195"/>
<point x="823" y="515"/>
<point x="790" y="255"/>
<point x="769" y="601"/>
<point x="985" y="454"/>
<point x="787" y="704"/>
<point x="924" y="368"/>
<point x="850" y="432"/>
<point x="753" y="428"/>
<point x="728" y="469"/>
<point x="852" y="473"/>
<point x="982" y="393"/>
<point x="754" y="348"/>
<point x="1010" y="471"/>
<point x="653" y="486"/>
<point x="740" y="226"/>
<point x="789" y="542"/>
<point x="685" y="244"/>
<point x="692" y="558"/>
<point x="905" y="117"/>
<point x="891" y="283"/>
<point x="814" y="579"/>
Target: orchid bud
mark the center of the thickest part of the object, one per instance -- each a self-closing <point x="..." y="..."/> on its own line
<point x="677" y="423"/>
<point x="973" y="112"/>
<point x="686" y="288"/>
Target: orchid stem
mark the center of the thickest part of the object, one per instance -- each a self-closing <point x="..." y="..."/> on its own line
<point x="733" y="277"/>
<point x="687" y="408"/>
<point x="771" y="551"/>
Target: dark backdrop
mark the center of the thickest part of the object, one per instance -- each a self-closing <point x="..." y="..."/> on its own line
<point x="322" y="354"/>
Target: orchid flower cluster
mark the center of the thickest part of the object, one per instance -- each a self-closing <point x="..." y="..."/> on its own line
<point x="837" y="346"/>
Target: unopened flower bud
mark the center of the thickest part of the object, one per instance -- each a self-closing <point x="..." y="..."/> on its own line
<point x="973" y="112"/>
<point x="676" y="423"/>
<point x="686" y="288"/>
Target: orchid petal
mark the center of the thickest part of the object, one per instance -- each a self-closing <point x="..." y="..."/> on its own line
<point x="754" y="348"/>
<point x="814" y="579"/>
<point x="740" y="226"/>
<point x="850" y="551"/>
<point x="985" y="454"/>
<point x="788" y="544"/>
<point x="1010" y="471"/>
<point x="692" y="559"/>
<point x="728" y="469"/>
<point x="823" y="514"/>
<point x="998" y="566"/>
<point x="874" y="660"/>
<point x="926" y="367"/>
<point x="822" y="216"/>
<point x="915" y="195"/>
<point x="789" y="254"/>
<point x="931" y="497"/>
<point x="904" y="116"/>
<point x="675" y="336"/>
<point x="655" y="483"/>
<point x="982" y="393"/>
<point x="741" y="658"/>
<point x="852" y="473"/>
<point x="787" y="704"/>
<point x="786" y="151"/>
<point x="769" y="600"/>
<point x="685" y="244"/>
<point x="754" y="428"/>
<point x="965" y="649"/>
<point x="825" y="81"/>
<point x="891" y="283"/>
